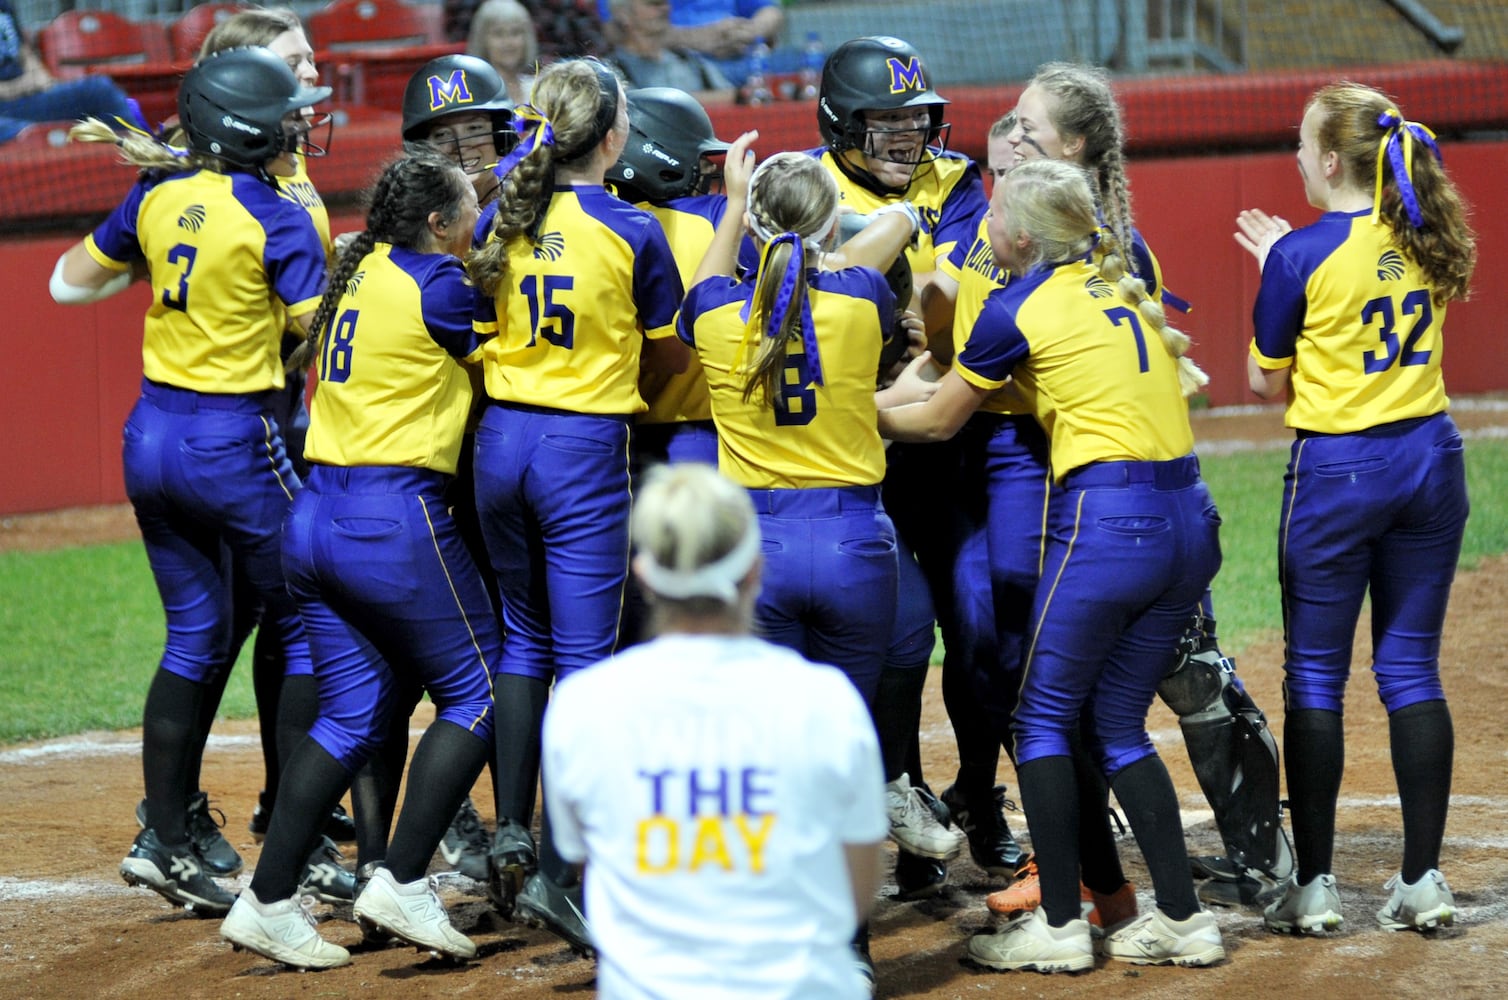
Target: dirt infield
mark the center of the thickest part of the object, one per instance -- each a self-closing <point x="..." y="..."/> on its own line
<point x="70" y="928"/>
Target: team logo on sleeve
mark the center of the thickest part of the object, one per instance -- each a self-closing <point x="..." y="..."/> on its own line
<point x="1099" y="288"/>
<point x="192" y="218"/>
<point x="447" y="90"/>
<point x="549" y="246"/>
<point x="906" y="74"/>
<point x="354" y="282"/>
<point x="1390" y="266"/>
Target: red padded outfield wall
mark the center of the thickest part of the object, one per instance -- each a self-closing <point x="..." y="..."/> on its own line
<point x="71" y="374"/>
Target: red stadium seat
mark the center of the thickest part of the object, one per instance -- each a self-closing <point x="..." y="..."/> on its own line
<point x="368" y="24"/>
<point x="187" y="32"/>
<point x="367" y="49"/>
<point x="77" y="41"/>
<point x="132" y="53"/>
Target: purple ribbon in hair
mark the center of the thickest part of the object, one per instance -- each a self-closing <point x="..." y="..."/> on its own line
<point x="794" y="268"/>
<point x="535" y="129"/>
<point x="1398" y="148"/>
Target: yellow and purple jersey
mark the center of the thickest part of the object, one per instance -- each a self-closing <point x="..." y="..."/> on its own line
<point x="570" y="325"/>
<point x="689" y="224"/>
<point x="946" y="192"/>
<point x="972" y="265"/>
<point x="823" y="435"/>
<point x="1353" y="316"/>
<point x="392" y="388"/>
<point x="1096" y="377"/>
<point x="229" y="258"/>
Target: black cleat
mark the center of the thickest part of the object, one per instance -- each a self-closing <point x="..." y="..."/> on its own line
<point x="917" y="877"/>
<point x="543" y="904"/>
<point x="325" y="877"/>
<point x="175" y="873"/>
<point x="512" y="860"/>
<point x="982" y="820"/>
<point x="465" y="845"/>
<point x="215" y="852"/>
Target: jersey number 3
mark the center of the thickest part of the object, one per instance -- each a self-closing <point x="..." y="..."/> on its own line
<point x="182" y="254"/>
<point x="1380" y="310"/>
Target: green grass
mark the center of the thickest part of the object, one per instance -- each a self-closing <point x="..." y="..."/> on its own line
<point x="82" y="628"/>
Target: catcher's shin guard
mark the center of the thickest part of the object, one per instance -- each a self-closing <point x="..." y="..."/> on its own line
<point x="1234" y="755"/>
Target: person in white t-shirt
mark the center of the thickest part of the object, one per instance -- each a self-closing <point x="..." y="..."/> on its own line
<point x="725" y="793"/>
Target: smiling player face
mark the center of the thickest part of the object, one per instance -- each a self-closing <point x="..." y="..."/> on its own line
<point x="896" y="142"/>
<point x="1035" y="137"/>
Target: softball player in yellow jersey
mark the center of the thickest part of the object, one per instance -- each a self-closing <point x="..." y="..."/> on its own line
<point x="205" y="466"/>
<point x="581" y="290"/>
<point x="390" y="597"/>
<point x="790" y="355"/>
<point x="1132" y="540"/>
<point x="286" y="703"/>
<point x="886" y="138"/>
<point x="1349" y="322"/>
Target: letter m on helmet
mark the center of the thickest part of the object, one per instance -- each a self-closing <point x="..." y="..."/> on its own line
<point x="906" y="74"/>
<point x="446" y="90"/>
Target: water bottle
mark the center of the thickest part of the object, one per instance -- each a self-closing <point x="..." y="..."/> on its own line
<point x="813" y="57"/>
<point x="757" y="85"/>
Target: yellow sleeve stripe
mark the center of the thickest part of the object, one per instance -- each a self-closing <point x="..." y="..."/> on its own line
<point x="101" y="258"/>
<point x="1271" y="364"/>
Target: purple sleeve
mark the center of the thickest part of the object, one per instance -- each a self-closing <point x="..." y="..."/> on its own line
<point x="657" y="279"/>
<point x="294" y="256"/>
<point x="961" y="210"/>
<point x="449" y="304"/>
<point x="1278" y="315"/>
<point x="116" y="237"/>
<point x="996" y="344"/>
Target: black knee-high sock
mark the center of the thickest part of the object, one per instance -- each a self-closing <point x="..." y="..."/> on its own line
<point x="1423" y="742"/>
<point x="298" y="707"/>
<point x="374" y="788"/>
<point x="978" y="743"/>
<point x="209" y="707"/>
<point x="898" y="716"/>
<point x="445" y="766"/>
<point x="1314" y="748"/>
<point x="1099" y="858"/>
<point x="313" y="781"/>
<point x="1050" y="795"/>
<point x="269" y="662"/>
<point x="1146" y="794"/>
<point x="520" y="710"/>
<point x="168" y="729"/>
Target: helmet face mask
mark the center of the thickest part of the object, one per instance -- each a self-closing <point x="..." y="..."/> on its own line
<point x="474" y="140"/>
<point x="234" y="105"/>
<point x="308" y="133"/>
<point x="670" y="146"/>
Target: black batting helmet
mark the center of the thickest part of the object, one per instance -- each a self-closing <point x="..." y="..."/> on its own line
<point x="874" y="73"/>
<point x="232" y="104"/>
<point x="448" y="84"/>
<point x="669" y="133"/>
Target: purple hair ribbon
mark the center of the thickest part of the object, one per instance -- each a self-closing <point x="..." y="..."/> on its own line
<point x="536" y="131"/>
<point x="1397" y="148"/>
<point x="784" y="296"/>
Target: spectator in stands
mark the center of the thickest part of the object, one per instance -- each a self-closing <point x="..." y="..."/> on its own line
<point x="647" y="58"/>
<point x="502" y="32"/>
<point x="29" y="93"/>
<point x="566" y="27"/>
<point x="723" y="30"/>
